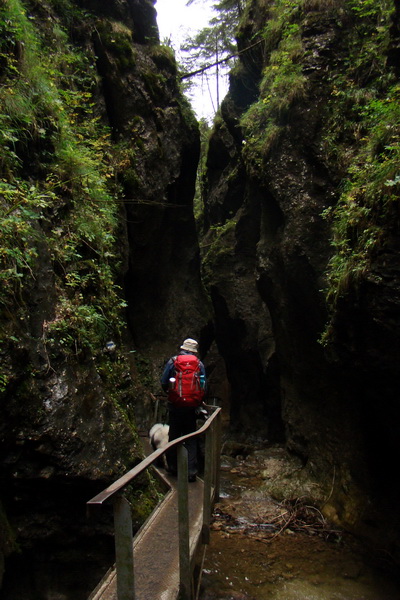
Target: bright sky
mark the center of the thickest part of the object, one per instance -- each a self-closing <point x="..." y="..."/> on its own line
<point x="175" y="21"/>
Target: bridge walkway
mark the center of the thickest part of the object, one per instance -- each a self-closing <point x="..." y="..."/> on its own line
<point x="159" y="569"/>
<point x="156" y="548"/>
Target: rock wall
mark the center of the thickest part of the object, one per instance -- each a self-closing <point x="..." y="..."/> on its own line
<point x="71" y="403"/>
<point x="267" y="246"/>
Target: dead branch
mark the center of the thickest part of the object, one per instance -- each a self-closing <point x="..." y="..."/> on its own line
<point x="219" y="62"/>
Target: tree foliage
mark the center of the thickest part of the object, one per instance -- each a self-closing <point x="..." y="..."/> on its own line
<point x="214" y="45"/>
<point x="216" y="40"/>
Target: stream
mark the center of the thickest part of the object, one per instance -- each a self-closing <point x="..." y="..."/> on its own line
<point x="263" y="549"/>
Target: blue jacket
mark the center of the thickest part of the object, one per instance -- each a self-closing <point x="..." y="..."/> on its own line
<point x="169" y="371"/>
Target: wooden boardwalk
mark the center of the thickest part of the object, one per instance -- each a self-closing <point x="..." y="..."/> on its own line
<point x="158" y="563"/>
<point x="156" y="548"/>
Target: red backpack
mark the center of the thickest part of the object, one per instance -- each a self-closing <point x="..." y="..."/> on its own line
<point x="187" y="390"/>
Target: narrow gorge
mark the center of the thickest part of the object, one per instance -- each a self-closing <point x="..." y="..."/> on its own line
<point x="288" y="276"/>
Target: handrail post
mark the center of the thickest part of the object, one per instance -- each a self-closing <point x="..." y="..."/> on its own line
<point x="123" y="549"/>
<point x="214" y="455"/>
<point x="183" y="522"/>
<point x="217" y="457"/>
<point x="208" y="469"/>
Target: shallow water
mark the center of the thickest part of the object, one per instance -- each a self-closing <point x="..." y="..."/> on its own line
<point x="249" y="558"/>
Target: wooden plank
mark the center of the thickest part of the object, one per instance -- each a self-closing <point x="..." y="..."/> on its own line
<point x="183" y="524"/>
<point x="156" y="549"/>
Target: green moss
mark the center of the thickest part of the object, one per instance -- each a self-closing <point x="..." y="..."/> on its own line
<point x="282" y="86"/>
<point x="130" y="180"/>
<point x="155" y="85"/>
<point x="187" y="113"/>
<point x="198" y="201"/>
<point x="49" y="130"/>
<point x="362" y="139"/>
<point x="116" y="379"/>
<point x="143" y="497"/>
<point x="68" y="10"/>
<point x="361" y="130"/>
<point x="220" y="246"/>
<point x="143" y="370"/>
<point x="117" y="39"/>
<point x="164" y="58"/>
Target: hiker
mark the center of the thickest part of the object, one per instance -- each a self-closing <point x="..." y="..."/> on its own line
<point x="184" y="379"/>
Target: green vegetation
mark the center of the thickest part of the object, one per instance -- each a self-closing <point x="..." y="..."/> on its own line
<point x="57" y="191"/>
<point x="361" y="125"/>
<point x="363" y="136"/>
<point x="198" y="201"/>
<point x="371" y="193"/>
<point x="283" y="84"/>
<point x="63" y="179"/>
<point x="163" y="57"/>
<point x="221" y="245"/>
<point x="144" y="497"/>
<point x="143" y="367"/>
<point x="214" y="45"/>
<point x="117" y="38"/>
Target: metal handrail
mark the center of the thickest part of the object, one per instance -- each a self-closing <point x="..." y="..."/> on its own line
<point x="122" y="512"/>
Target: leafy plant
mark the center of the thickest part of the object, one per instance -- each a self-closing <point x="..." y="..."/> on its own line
<point x="361" y="128"/>
<point x="363" y="137"/>
<point x="21" y="207"/>
<point x="56" y="160"/>
<point x="283" y="84"/>
<point x="367" y="205"/>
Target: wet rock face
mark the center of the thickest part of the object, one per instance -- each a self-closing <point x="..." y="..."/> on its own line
<point x="146" y="109"/>
<point x="162" y="282"/>
<point x="66" y="423"/>
<point x="138" y="15"/>
<point x="62" y="441"/>
<point x="265" y="274"/>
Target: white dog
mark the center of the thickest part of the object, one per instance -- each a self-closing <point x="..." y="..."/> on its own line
<point x="158" y="435"/>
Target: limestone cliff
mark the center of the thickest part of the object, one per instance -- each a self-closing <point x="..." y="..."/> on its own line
<point x="99" y="270"/>
<point x="301" y="242"/>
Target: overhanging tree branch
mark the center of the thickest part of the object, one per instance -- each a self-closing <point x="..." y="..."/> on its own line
<point x="218" y="62"/>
